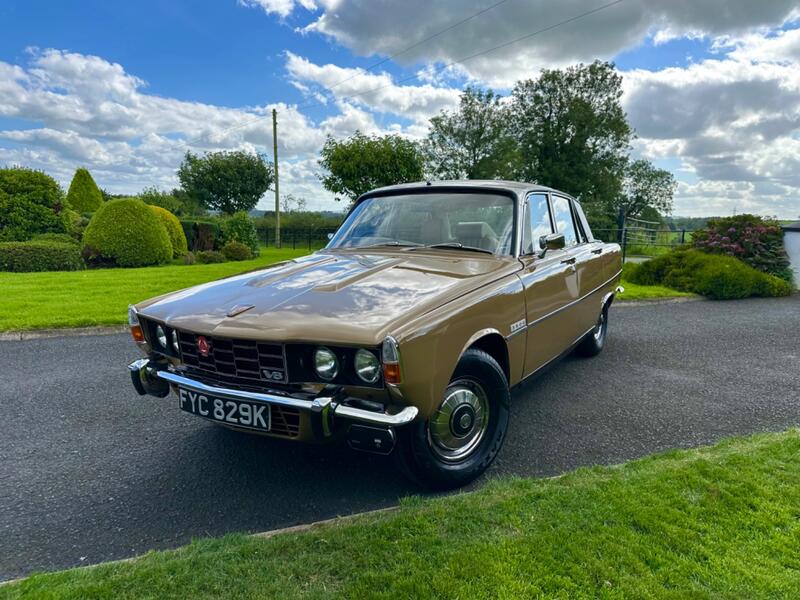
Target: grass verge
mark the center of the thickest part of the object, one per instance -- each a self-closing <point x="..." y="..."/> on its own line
<point x="634" y="291"/>
<point x="101" y="296"/>
<point x="722" y="521"/>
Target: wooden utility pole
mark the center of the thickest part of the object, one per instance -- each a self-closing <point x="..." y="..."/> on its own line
<point x="277" y="194"/>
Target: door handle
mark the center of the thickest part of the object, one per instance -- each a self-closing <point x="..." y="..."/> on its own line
<point x="568" y="261"/>
<point x="597" y="251"/>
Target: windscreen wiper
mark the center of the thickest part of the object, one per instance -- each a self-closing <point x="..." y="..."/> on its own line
<point x="459" y="246"/>
<point x="392" y="244"/>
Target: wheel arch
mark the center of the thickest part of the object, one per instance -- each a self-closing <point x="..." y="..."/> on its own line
<point x="494" y="344"/>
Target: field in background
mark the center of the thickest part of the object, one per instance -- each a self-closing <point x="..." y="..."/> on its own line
<point x="102" y="296"/>
<point x="711" y="522"/>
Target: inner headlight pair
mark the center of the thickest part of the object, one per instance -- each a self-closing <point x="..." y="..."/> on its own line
<point x="161" y="338"/>
<point x="366" y="365"/>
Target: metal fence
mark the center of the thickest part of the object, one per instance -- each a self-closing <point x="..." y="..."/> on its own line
<point x="643" y="238"/>
<point x="637" y="238"/>
<point x="311" y="239"/>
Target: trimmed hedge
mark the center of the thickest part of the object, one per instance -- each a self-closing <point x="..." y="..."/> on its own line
<point x="177" y="238"/>
<point x="236" y="251"/>
<point x="40" y="255"/>
<point x="31" y="202"/>
<point x="61" y="238"/>
<point x="210" y="256"/>
<point x="715" y="276"/>
<point x="202" y="234"/>
<point x="126" y="233"/>
<point x="84" y="195"/>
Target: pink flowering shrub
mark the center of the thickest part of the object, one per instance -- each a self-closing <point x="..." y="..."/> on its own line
<point x="755" y="240"/>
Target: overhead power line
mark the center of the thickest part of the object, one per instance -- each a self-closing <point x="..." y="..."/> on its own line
<point x="441" y="68"/>
<point x="374" y="65"/>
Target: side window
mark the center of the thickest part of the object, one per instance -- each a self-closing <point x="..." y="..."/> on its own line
<point x="539" y="218"/>
<point x="563" y="217"/>
<point x="587" y="232"/>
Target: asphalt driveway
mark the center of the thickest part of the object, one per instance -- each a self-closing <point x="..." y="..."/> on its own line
<point x="89" y="471"/>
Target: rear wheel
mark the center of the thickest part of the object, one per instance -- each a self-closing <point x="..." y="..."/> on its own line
<point x="463" y="436"/>
<point x="594" y="341"/>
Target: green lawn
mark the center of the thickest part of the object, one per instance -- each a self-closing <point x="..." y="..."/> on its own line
<point x="718" y="522"/>
<point x="102" y="296"/>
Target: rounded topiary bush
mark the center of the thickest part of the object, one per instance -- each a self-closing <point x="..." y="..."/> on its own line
<point x="239" y="227"/>
<point x="83" y="194"/>
<point x="174" y="230"/>
<point x="31" y="202"/>
<point x="126" y="233"/>
<point x="236" y="251"/>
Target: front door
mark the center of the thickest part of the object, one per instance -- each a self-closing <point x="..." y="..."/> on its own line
<point x="551" y="289"/>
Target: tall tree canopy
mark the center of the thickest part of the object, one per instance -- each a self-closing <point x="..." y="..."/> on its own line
<point x="644" y="187"/>
<point x="360" y="163"/>
<point x="572" y="132"/>
<point x="226" y="181"/>
<point x="84" y="196"/>
<point x="471" y="142"/>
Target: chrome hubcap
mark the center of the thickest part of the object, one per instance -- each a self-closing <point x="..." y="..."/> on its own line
<point x="458" y="426"/>
<point x="600" y="327"/>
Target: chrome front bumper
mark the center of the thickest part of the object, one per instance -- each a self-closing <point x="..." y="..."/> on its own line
<point x="325" y="406"/>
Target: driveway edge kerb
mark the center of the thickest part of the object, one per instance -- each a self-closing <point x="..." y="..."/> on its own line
<point x="651" y="301"/>
<point x="35" y="334"/>
<point x="339" y="520"/>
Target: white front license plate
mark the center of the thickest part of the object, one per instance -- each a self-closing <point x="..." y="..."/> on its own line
<point x="239" y="413"/>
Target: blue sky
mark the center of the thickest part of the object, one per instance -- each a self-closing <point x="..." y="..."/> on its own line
<point x="122" y="87"/>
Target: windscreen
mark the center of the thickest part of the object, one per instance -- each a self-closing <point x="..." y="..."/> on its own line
<point x="470" y="220"/>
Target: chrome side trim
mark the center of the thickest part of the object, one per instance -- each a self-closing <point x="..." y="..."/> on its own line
<point x="404" y="417"/>
<point x="574" y="302"/>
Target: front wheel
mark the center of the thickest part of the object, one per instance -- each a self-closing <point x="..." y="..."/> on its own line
<point x="463" y="436"/>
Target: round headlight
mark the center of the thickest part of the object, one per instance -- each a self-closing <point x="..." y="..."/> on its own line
<point x="325" y="364"/>
<point x="175" y="343"/>
<point x="367" y="366"/>
<point x="161" y="336"/>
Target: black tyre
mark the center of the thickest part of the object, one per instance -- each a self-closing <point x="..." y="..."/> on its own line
<point x="593" y="343"/>
<point x="462" y="438"/>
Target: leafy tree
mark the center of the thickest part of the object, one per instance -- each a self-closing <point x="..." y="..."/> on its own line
<point x="31" y="202"/>
<point x="84" y="196"/>
<point x="291" y="203"/>
<point x="644" y="187"/>
<point x="572" y="131"/>
<point x="471" y="142"/>
<point x="177" y="201"/>
<point x="226" y="181"/>
<point x="361" y="163"/>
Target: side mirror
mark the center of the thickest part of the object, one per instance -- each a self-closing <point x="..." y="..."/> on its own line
<point x="552" y="241"/>
<point x="330" y="236"/>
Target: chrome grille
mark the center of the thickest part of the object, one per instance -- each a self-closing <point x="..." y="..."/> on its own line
<point x="247" y="360"/>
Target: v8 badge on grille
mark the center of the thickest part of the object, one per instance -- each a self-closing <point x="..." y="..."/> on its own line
<point x="272" y="374"/>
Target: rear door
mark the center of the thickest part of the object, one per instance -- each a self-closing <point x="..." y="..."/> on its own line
<point x="551" y="288"/>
